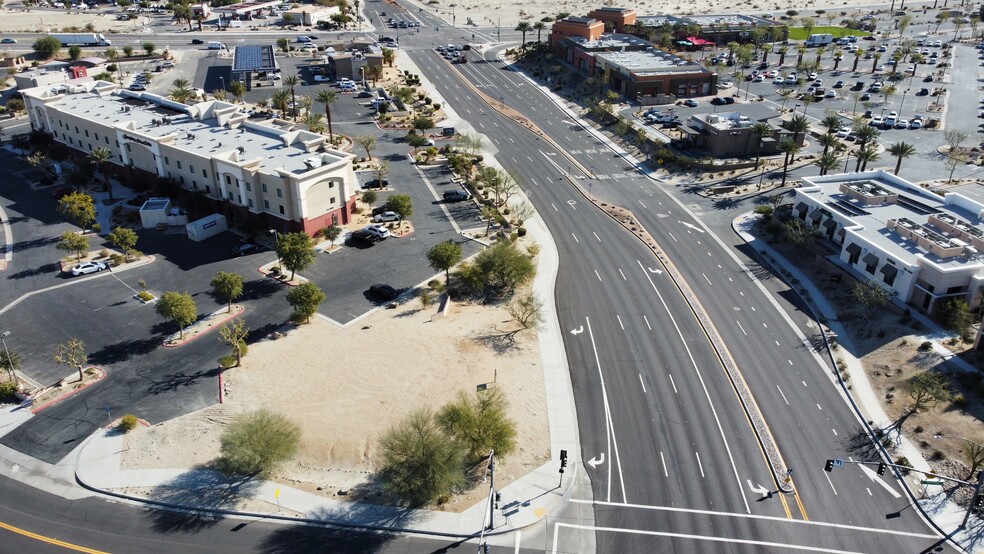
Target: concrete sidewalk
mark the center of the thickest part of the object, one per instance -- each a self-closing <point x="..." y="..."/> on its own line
<point x="942" y="513"/>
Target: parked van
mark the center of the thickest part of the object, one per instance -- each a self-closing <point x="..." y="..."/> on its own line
<point x="216" y="46"/>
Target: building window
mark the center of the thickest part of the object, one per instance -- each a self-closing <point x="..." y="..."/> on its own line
<point x="182" y="177"/>
<point x="121" y="158"/>
<point x="204" y="174"/>
<point x="194" y="185"/>
<point x="280" y="193"/>
<point x="86" y="133"/>
<point x="128" y="147"/>
<point x="281" y="208"/>
<point x="208" y="189"/>
<point x="167" y="161"/>
<point x="191" y="168"/>
<point x="266" y="204"/>
<point x="117" y="144"/>
<point x="250" y="202"/>
<point x="106" y="139"/>
<point x="97" y="136"/>
<point x="332" y="199"/>
<point x="228" y="180"/>
<point x="248" y="187"/>
<point x="178" y="162"/>
<point x="263" y="186"/>
<point x="890" y="278"/>
<point x="76" y="129"/>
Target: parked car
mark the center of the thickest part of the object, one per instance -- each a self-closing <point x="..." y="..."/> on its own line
<point x="137" y="87"/>
<point x="365" y="237"/>
<point x="876" y="121"/>
<point x="690" y="102"/>
<point x="456" y="195"/>
<point x="902" y="123"/>
<point x="728" y="100"/>
<point x="386" y="216"/>
<point x="244" y="248"/>
<point x="376" y="184"/>
<point x="321" y="79"/>
<point x="718" y="101"/>
<point x="923" y="92"/>
<point x="385" y="291"/>
<point x="379" y="209"/>
<point x="915" y="124"/>
<point x="378" y="230"/>
<point x="87" y="267"/>
<point x="365" y="94"/>
<point x="839" y="84"/>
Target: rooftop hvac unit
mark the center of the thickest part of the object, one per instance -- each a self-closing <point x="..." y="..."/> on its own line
<point x="312" y="163"/>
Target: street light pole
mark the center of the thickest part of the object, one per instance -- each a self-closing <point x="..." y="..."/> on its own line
<point x="276" y="241"/>
<point x="10" y="362"/>
<point x="902" y="103"/>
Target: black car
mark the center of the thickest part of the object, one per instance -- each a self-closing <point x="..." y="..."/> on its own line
<point x="376" y="184"/>
<point x="456" y="195"/>
<point x="928" y="79"/>
<point x="729" y="100"/>
<point x="244" y="248"/>
<point x="312" y="37"/>
<point x="865" y="96"/>
<point x="858" y="86"/>
<point x="380" y="209"/>
<point x="365" y="237"/>
<point x="385" y="291"/>
<point x="718" y="101"/>
<point x="197" y="41"/>
<point x="923" y="92"/>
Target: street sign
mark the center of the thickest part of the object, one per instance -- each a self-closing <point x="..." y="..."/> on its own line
<point x="929" y="482"/>
<point x="838" y="462"/>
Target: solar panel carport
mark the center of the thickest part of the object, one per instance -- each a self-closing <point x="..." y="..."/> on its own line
<point x="250" y="59"/>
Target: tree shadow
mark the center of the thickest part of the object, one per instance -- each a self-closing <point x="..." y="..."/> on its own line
<point x="123" y="351"/>
<point x="407" y="313"/>
<point x="35" y="271"/>
<point x="174" y="381"/>
<point x="259" y="288"/>
<point x="260" y="333"/>
<point x="726" y="204"/>
<point x="201" y="488"/>
<point x="35" y="243"/>
<point x="501" y="342"/>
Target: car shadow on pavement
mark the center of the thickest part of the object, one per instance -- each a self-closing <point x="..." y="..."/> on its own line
<point x="202" y="488"/>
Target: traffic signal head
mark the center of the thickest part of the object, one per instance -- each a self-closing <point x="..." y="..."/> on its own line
<point x="882" y="468"/>
<point x="563" y="458"/>
<point x="829" y="466"/>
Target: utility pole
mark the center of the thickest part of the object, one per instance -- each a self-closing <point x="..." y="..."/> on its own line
<point x="492" y="493"/>
<point x="973" y="501"/>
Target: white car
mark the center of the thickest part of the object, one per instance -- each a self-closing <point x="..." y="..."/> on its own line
<point x="377" y="230"/>
<point x="779" y="80"/>
<point x="813" y="75"/>
<point x="726" y="84"/>
<point x="843" y="132"/>
<point x="831" y="93"/>
<point x="88" y="267"/>
<point x="321" y="79"/>
<point x="791" y="79"/>
<point x="386" y="216"/>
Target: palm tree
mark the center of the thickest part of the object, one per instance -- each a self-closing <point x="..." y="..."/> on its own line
<point x="374" y="72"/>
<point x="279" y="100"/>
<point x="328" y="97"/>
<point x="539" y="26"/>
<point x="800" y="52"/>
<point x="313" y="122"/>
<point x="827" y="161"/>
<point x="831" y="122"/>
<point x="798" y="124"/>
<point x="866" y="154"/>
<point x="789" y="148"/>
<point x="524" y="27"/>
<point x="865" y="133"/>
<point x="874" y="61"/>
<point x="901" y="150"/>
<point x="292" y="81"/>
<point x="100" y="156"/>
<point x="389" y="56"/>
<point x="857" y="58"/>
<point x="782" y="54"/>
<point x="828" y="141"/>
<point x="760" y="130"/>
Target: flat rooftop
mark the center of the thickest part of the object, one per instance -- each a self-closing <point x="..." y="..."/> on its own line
<point x="610" y="41"/>
<point x="254" y="57"/>
<point x="210" y="129"/>
<point x="731" y="20"/>
<point x="906" y="205"/>
<point x="650" y="62"/>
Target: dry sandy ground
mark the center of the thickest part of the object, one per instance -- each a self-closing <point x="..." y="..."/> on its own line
<point x="18" y="21"/>
<point x="346" y="387"/>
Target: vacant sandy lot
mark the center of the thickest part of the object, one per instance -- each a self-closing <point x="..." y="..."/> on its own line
<point x="18" y="21"/>
<point x="346" y="387"/>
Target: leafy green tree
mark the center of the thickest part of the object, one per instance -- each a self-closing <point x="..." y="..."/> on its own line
<point x="332" y="232"/>
<point x="527" y="311"/>
<point x="422" y="123"/>
<point x="305" y="299"/>
<point x="296" y="251"/>
<point x="46" y="47"/>
<point x="418" y="461"/>
<point x="416" y="140"/>
<point x="283" y="44"/>
<point x="78" y="208"/>
<point x="955" y="314"/>
<point x="10" y="361"/>
<point x="443" y="256"/>
<point x="497" y="270"/>
<point x="228" y="286"/>
<point x="73" y="242"/>
<point x="128" y="51"/>
<point x="257" y="442"/>
<point x="369" y="198"/>
<point x="869" y="295"/>
<point x="74" y="53"/>
<point x="123" y="238"/>
<point x="71" y="353"/>
<point x="927" y="389"/>
<point x="238" y="89"/>
<point x="177" y="307"/>
<point x="149" y="48"/>
<point x="479" y="422"/>
<point x="402" y="204"/>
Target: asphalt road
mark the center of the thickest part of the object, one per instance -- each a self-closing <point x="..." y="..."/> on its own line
<point x="814" y="425"/>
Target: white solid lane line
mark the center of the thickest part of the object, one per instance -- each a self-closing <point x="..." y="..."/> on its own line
<point x="708" y="280"/>
<point x="647" y="322"/>
<point x="641" y="204"/>
<point x="831" y="482"/>
<point x="642" y="383"/>
<point x="612" y="441"/>
<point x="575" y="238"/>
<point x="598" y="274"/>
<point x="673" y="383"/>
<point x="622" y="274"/>
<point x="742" y="328"/>
<point x="596" y="236"/>
<point x="783" y="395"/>
<point x="620" y="321"/>
<point x="665" y="473"/>
<point x="554" y="207"/>
<point x="672" y="237"/>
<point x="700" y="465"/>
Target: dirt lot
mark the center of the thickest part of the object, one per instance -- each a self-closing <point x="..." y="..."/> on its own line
<point x="888" y="344"/>
<point x="346" y="387"/>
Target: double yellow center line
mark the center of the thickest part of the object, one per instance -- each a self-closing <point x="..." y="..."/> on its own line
<point x="49" y="540"/>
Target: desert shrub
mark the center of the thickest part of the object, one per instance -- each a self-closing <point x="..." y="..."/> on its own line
<point x="419" y="463"/>
<point x="480" y="423"/>
<point x="104" y="253"/>
<point x="937" y="456"/>
<point x="136" y="254"/>
<point x="117" y="259"/>
<point x="960" y="402"/>
<point x="127" y="423"/>
<point x="256" y="442"/>
<point x="521" y="231"/>
<point x="145" y="296"/>
<point x="925" y="346"/>
<point x="8" y="390"/>
<point x="227" y="361"/>
<point x="426" y="297"/>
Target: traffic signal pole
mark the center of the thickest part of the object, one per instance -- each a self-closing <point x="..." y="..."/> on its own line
<point x="974" y="500"/>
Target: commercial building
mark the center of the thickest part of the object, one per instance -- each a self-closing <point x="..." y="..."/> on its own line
<point x="628" y="64"/>
<point x="730" y="133"/>
<point x="614" y="18"/>
<point x="246" y="10"/>
<point x="311" y="15"/>
<point x="719" y="29"/>
<point x="271" y="173"/>
<point x="914" y="244"/>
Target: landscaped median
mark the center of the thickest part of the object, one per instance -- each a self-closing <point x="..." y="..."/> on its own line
<point x="65" y="388"/>
<point x="203" y="326"/>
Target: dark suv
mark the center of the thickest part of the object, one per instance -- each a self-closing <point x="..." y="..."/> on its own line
<point x="244" y="248"/>
<point x="365" y="237"/>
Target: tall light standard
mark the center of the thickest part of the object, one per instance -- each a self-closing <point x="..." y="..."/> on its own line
<point x="902" y="103"/>
<point x="452" y="15"/>
<point x="276" y="241"/>
<point x="10" y="361"/>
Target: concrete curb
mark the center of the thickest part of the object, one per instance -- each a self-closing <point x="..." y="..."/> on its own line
<point x="211" y="327"/>
<point x="72" y="393"/>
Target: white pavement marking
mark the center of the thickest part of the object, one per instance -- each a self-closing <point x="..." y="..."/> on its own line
<point x="835" y="432"/>
<point x="700" y="377"/>
<point x="620" y="321"/>
<point x="700" y="465"/>
<point x="672" y="383"/>
<point x="726" y="540"/>
<point x="8" y="237"/>
<point x="790" y="362"/>
<point x="647" y="322"/>
<point x="516" y="542"/>
<point x="643" y="205"/>
<point x="783" y="395"/>
<point x="672" y="237"/>
<point x="819" y="408"/>
<point x="554" y="207"/>
<point x="869" y="491"/>
<point x="575" y="238"/>
<point x="612" y="441"/>
<point x="665" y="473"/>
<point x="708" y="280"/>
<point x="622" y="274"/>
<point x="598" y="274"/>
<point x="777" y="343"/>
<point x="742" y="328"/>
<point x="596" y="236"/>
<point x="642" y="383"/>
<point x="831" y="482"/>
<point x="776" y="519"/>
<point x="804" y="383"/>
<point x="874" y="477"/>
<point x="534" y="182"/>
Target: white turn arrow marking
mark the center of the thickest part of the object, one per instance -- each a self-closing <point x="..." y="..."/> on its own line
<point x="578" y="331"/>
<point x="595" y="462"/>
<point x="874" y="477"/>
<point x="691" y="226"/>
<point x="758" y="489"/>
<point x="571" y="203"/>
<point x="656" y="271"/>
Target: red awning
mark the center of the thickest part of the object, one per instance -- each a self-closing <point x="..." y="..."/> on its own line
<point x="699" y="41"/>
